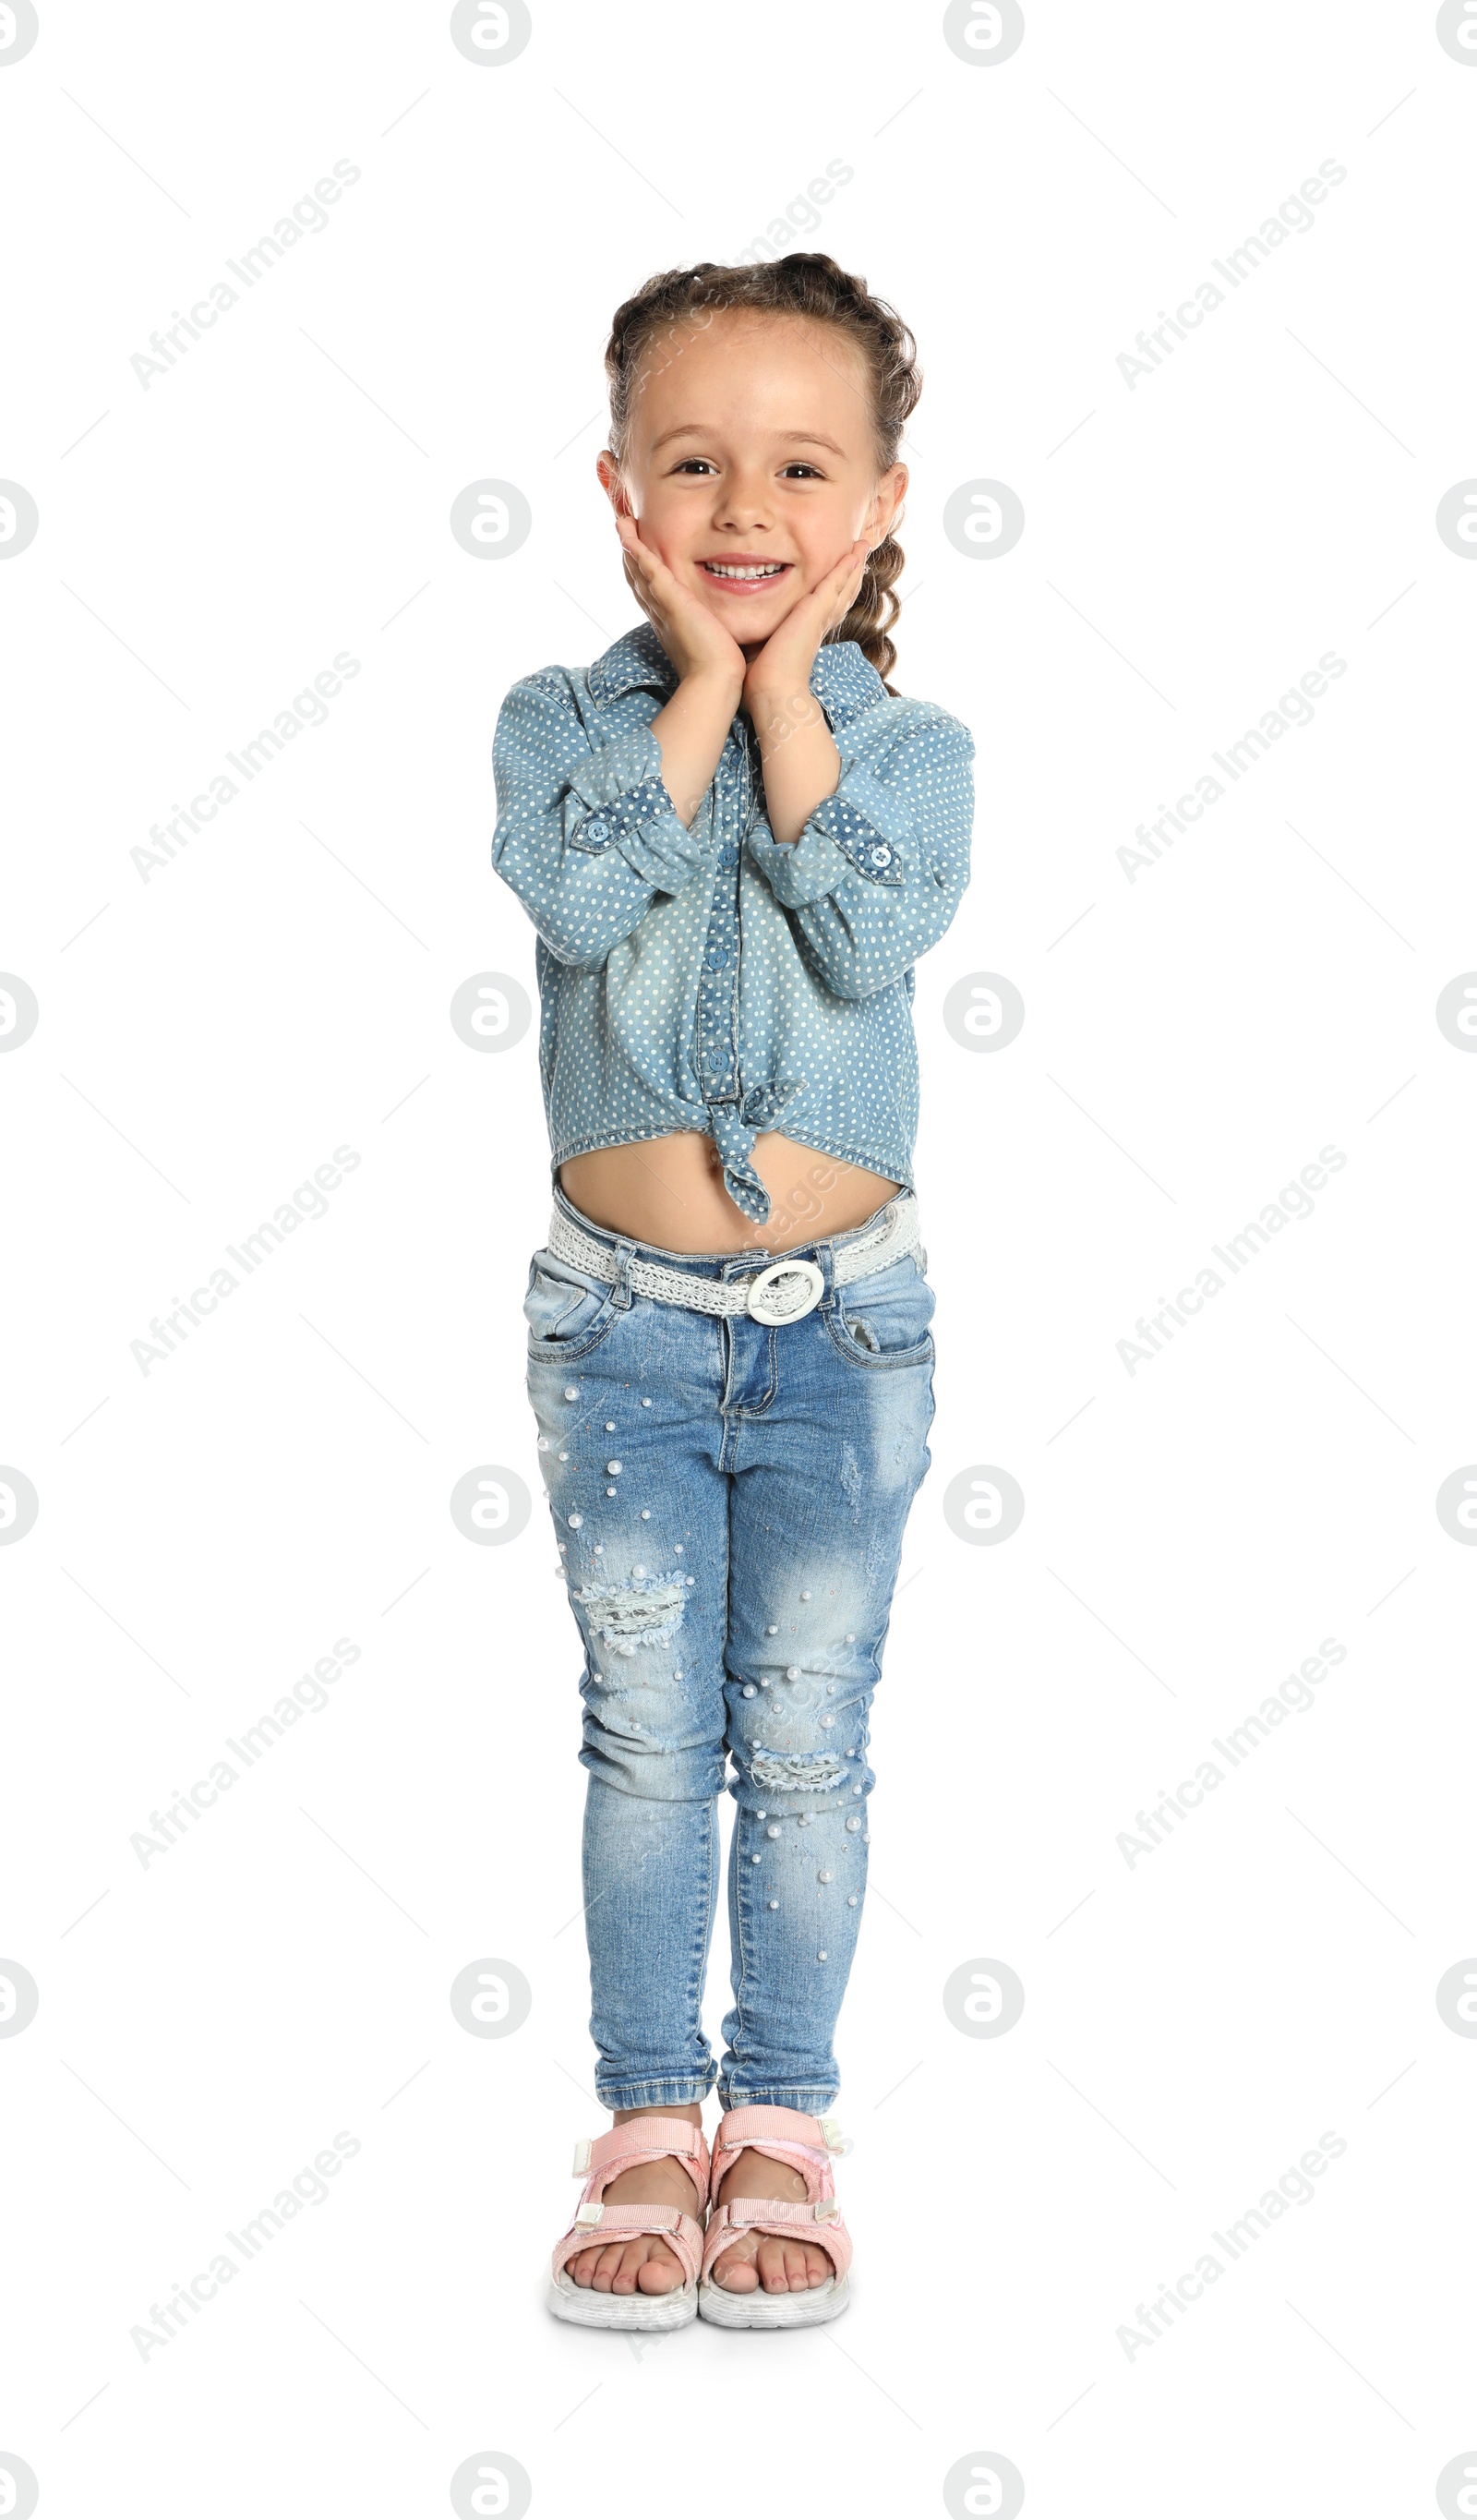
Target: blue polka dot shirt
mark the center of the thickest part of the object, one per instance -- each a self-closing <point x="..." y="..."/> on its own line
<point x="713" y="978"/>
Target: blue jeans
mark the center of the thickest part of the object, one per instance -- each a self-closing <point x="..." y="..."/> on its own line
<point x="728" y="1501"/>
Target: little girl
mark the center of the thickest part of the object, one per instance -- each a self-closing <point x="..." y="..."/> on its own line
<point x="735" y="839"/>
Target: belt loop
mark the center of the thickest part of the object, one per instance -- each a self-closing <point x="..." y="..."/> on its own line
<point x="826" y="1263"/>
<point x="625" y="1252"/>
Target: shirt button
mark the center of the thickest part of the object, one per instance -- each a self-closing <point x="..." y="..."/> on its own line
<point x="728" y="857"/>
<point x="714" y="959"/>
<point x="598" y="830"/>
<point x="881" y="857"/>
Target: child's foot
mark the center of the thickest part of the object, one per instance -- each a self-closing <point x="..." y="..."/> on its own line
<point x="645" y="2263"/>
<point x="780" y="2265"/>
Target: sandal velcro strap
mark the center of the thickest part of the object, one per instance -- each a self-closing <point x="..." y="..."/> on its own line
<point x="643" y="2139"/>
<point x="601" y="2158"/>
<point x="763" y="2123"/>
<point x="749" y="2210"/>
<point x="804" y="2143"/>
<point x="626" y="2219"/>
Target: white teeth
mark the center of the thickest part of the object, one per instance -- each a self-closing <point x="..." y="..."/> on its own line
<point x="724" y="569"/>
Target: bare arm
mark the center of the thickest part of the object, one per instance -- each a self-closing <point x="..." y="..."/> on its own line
<point x="693" y="728"/>
<point x="801" y="763"/>
<point x="692" y="731"/>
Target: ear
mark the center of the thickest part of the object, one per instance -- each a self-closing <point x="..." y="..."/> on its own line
<point x="886" y="512"/>
<point x="608" y="473"/>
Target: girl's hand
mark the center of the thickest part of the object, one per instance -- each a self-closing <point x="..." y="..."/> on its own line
<point x="696" y="644"/>
<point x="778" y="679"/>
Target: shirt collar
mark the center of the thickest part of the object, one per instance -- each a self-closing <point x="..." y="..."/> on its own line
<point x="841" y="678"/>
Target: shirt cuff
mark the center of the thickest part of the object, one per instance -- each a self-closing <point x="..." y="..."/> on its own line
<point x="617" y="799"/>
<point x="846" y="834"/>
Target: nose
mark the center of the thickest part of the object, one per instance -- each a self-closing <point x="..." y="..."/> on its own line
<point x="745" y="504"/>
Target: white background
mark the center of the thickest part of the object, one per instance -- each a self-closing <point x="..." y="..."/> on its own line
<point x="1193" y="1529"/>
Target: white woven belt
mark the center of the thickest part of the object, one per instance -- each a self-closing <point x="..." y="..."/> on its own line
<point x="784" y="1292"/>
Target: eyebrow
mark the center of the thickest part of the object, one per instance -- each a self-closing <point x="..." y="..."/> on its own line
<point x="788" y="436"/>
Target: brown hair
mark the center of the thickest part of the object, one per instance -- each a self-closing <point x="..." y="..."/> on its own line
<point x="651" y="324"/>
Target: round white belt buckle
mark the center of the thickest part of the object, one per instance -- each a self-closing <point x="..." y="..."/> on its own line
<point x="787" y="1290"/>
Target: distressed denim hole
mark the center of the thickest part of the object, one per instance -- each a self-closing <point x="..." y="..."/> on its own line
<point x="635" y="1615"/>
<point x="796" y="1773"/>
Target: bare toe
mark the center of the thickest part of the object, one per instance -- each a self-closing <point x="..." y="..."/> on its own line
<point x="628" y="2269"/>
<point x="735" y="2270"/>
<point x="660" y="2271"/>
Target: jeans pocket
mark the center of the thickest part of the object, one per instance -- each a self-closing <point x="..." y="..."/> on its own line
<point x="564" y="1308"/>
<point x="885" y="1320"/>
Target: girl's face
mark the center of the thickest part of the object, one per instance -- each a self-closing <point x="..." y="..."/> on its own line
<point x="751" y="451"/>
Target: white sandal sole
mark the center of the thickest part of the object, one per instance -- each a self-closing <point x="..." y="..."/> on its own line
<point x="760" y="2309"/>
<point x="583" y="2307"/>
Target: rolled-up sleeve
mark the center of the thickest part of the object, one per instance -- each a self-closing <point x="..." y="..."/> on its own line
<point x="881" y="865"/>
<point x="587" y="834"/>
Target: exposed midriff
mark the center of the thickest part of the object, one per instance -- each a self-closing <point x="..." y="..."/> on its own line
<point x="669" y="1191"/>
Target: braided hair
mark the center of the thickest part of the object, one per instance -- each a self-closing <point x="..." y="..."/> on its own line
<point x="650" y="328"/>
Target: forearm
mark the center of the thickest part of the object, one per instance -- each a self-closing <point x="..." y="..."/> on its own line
<point x="801" y="763"/>
<point x="692" y="731"/>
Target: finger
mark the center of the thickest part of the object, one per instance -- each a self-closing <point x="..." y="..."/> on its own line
<point x="644" y="560"/>
<point x="646" y="596"/>
<point x="638" y="581"/>
<point x="852" y="561"/>
<point x="845" y="581"/>
<point x="827" y="589"/>
<point x="832" y="596"/>
<point x="853" y="569"/>
<point x="630" y="537"/>
<point x="650" y="563"/>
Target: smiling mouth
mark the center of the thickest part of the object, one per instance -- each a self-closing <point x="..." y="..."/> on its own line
<point x="744" y="572"/>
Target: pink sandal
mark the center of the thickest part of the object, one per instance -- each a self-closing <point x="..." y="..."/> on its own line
<point x="597" y="2162"/>
<point x="806" y="2144"/>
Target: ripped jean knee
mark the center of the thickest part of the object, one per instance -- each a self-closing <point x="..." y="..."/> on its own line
<point x="645" y="1612"/>
<point x="779" y="1772"/>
